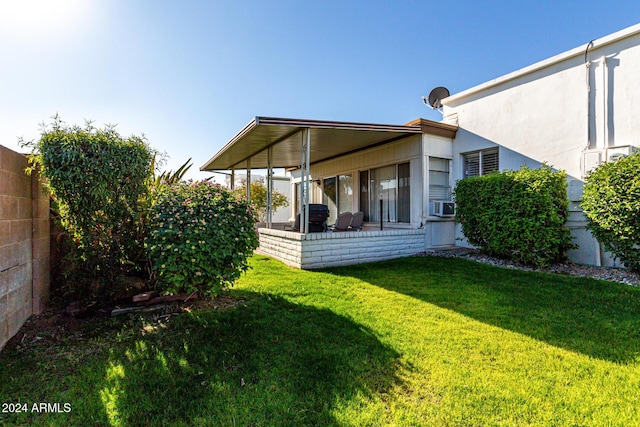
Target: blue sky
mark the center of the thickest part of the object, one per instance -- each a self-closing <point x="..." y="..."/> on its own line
<point x="190" y="74"/>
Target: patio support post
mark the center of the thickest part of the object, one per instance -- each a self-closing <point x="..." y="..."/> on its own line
<point x="233" y="178"/>
<point x="304" y="182"/>
<point x="269" y="186"/>
<point x="249" y="179"/>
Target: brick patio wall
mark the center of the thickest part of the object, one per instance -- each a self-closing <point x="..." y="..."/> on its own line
<point x="320" y="250"/>
<point x="24" y="245"/>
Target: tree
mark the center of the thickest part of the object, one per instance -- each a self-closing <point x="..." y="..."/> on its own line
<point x="259" y="199"/>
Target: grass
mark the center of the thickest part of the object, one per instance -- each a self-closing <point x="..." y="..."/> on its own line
<point x="417" y="341"/>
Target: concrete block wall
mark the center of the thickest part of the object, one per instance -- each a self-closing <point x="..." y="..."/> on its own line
<point x="285" y="246"/>
<point x="24" y="245"/>
<point x="320" y="250"/>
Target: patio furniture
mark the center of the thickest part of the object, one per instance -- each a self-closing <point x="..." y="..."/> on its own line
<point x="296" y="225"/>
<point x="356" y="221"/>
<point x="318" y="215"/>
<point x="343" y="222"/>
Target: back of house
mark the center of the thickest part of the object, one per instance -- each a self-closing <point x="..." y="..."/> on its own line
<point x="573" y="111"/>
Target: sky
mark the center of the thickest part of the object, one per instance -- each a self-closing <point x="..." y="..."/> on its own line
<point x="189" y="74"/>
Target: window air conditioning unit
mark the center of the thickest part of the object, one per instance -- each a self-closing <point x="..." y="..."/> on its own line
<point x="443" y="208"/>
<point x="616" y="153"/>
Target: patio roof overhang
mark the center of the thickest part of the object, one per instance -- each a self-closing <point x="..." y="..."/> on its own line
<point x="249" y="147"/>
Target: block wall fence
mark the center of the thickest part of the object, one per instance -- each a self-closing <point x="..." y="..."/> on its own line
<point x="24" y="244"/>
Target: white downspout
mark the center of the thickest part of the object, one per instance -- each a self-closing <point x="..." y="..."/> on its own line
<point x="598" y="248"/>
<point x="424" y="196"/>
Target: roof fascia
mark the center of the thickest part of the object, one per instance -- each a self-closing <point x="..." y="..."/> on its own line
<point x="245" y="130"/>
<point x="435" y="128"/>
<point x="578" y="51"/>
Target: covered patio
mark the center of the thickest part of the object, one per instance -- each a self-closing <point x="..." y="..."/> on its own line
<point x="297" y="145"/>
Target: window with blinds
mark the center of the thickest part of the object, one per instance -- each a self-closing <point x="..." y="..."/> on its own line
<point x="439" y="183"/>
<point x="481" y="162"/>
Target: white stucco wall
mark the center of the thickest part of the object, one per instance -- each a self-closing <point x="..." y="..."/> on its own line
<point x="440" y="232"/>
<point x="539" y="114"/>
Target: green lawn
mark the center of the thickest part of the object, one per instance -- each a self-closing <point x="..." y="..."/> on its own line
<point x="419" y="341"/>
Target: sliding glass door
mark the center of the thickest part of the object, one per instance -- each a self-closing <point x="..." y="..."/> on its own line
<point x="364" y="194"/>
<point x="382" y="187"/>
<point x="389" y="185"/>
<point x="404" y="193"/>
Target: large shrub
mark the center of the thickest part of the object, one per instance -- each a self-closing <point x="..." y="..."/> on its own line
<point x="97" y="179"/>
<point x="518" y="215"/>
<point x="611" y="203"/>
<point x="200" y="237"/>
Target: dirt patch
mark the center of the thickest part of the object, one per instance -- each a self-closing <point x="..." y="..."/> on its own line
<point x="55" y="326"/>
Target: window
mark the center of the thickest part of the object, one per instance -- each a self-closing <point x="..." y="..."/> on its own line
<point x="439" y="186"/>
<point x="364" y="193"/>
<point x="404" y="193"/>
<point x="345" y="193"/>
<point x="481" y="162"/>
<point x="389" y="185"/>
<point x="382" y="187"/>
<point x="337" y="194"/>
<point x="330" y="198"/>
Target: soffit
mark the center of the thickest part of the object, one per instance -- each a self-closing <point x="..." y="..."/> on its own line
<point x="328" y="140"/>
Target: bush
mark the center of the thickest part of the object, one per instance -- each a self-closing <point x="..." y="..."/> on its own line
<point x="519" y="215"/>
<point x="200" y="238"/>
<point x="97" y="179"/>
<point x="611" y="203"/>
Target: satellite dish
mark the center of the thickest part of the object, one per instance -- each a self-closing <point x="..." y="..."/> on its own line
<point x="437" y="95"/>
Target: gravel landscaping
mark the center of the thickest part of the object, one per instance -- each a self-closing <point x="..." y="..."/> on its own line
<point x="603" y="273"/>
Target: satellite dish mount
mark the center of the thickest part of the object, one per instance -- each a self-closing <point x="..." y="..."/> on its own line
<point x="435" y="98"/>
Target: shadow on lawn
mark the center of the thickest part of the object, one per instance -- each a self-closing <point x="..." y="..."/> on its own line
<point x="269" y="362"/>
<point x="601" y="320"/>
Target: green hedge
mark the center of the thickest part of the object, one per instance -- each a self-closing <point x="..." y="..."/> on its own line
<point x="519" y="215"/>
<point x="97" y="178"/>
<point x="611" y="203"/>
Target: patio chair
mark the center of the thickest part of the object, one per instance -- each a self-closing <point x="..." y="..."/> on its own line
<point x="356" y="221"/>
<point x="296" y="224"/>
<point x="342" y="223"/>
